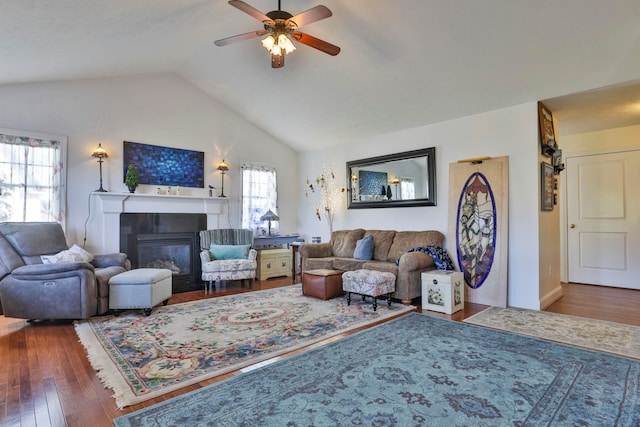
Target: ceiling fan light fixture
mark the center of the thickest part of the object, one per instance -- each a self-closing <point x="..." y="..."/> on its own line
<point x="285" y="43"/>
<point x="276" y="45"/>
<point x="268" y="42"/>
<point x="280" y="28"/>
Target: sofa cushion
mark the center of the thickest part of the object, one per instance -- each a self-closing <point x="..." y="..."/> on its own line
<point x="364" y="248"/>
<point x="319" y="263"/>
<point x="347" y="264"/>
<point x="405" y="240"/>
<point x="30" y="240"/>
<point x="382" y="240"/>
<point x="343" y="242"/>
<point x="9" y="258"/>
<point x="387" y="267"/>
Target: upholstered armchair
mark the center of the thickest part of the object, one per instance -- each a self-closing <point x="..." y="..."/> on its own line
<point x="227" y="254"/>
<point x="42" y="278"/>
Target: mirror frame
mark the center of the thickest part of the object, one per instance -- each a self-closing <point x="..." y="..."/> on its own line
<point x="429" y="153"/>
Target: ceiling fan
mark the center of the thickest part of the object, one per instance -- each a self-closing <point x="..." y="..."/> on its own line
<point x="280" y="27"/>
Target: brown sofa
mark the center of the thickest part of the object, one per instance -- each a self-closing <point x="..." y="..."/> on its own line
<point x="389" y="246"/>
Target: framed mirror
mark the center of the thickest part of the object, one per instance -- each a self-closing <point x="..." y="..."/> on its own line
<point x="395" y="180"/>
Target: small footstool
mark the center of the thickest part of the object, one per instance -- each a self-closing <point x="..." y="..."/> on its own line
<point x="369" y="283"/>
<point x="141" y="288"/>
<point x="322" y="283"/>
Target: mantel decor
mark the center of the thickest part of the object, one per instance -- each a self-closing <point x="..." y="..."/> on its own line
<point x="131" y="178"/>
<point x="101" y="154"/>
<point x="413" y="173"/>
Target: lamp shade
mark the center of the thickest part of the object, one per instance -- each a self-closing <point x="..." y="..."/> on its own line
<point x="269" y="216"/>
<point x="100" y="152"/>
<point x="223" y="166"/>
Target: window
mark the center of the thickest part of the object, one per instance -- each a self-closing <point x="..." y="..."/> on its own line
<point x="407" y="188"/>
<point x="32" y="184"/>
<point x="259" y="194"/>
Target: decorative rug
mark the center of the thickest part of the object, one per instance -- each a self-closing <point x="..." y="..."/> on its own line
<point x="616" y="338"/>
<point x="143" y="357"/>
<point x="418" y="370"/>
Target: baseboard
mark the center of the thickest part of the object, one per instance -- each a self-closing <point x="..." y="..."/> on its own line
<point x="551" y="297"/>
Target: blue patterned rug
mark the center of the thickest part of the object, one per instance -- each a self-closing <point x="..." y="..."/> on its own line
<point x="419" y="370"/>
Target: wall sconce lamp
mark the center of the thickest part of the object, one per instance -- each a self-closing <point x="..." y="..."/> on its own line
<point x="269" y="216"/>
<point x="101" y="154"/>
<point x="223" y="168"/>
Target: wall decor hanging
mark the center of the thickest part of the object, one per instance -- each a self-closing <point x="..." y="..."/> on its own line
<point x="157" y="165"/>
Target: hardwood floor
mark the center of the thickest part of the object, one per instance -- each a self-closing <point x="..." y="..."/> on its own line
<point x="46" y="378"/>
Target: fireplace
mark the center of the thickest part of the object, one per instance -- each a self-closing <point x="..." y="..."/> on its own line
<point x="165" y="240"/>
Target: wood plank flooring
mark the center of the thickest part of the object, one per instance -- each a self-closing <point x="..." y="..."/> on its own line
<point x="46" y="378"/>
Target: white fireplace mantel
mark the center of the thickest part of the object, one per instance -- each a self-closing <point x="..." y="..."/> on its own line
<point x="109" y="206"/>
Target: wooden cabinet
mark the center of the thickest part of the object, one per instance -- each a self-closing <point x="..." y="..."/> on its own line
<point x="273" y="263"/>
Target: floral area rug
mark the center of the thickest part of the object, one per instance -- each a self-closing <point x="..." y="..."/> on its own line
<point x="616" y="338"/>
<point x="418" y="370"/>
<point x="143" y="357"/>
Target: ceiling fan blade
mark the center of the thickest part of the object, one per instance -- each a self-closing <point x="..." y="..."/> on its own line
<point x="311" y="15"/>
<point x="316" y="43"/>
<point x="240" y="37"/>
<point x="250" y="10"/>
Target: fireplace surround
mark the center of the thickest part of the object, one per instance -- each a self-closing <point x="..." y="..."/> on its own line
<point x="165" y="240"/>
<point x="125" y="220"/>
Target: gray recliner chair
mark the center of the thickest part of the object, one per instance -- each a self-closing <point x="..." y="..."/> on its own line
<point x="30" y="289"/>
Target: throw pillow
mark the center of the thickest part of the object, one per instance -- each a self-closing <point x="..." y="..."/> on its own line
<point x="364" y="249"/>
<point x="221" y="252"/>
<point x="74" y="254"/>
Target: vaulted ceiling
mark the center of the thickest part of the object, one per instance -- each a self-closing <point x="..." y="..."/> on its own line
<point x="404" y="63"/>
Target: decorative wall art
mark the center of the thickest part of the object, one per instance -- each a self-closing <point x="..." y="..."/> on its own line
<point x="480" y="227"/>
<point x="475" y="229"/>
<point x="547" y="182"/>
<point x="373" y="184"/>
<point x="547" y="131"/>
<point x="158" y="165"/>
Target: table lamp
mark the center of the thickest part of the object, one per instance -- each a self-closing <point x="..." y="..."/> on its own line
<point x="269" y="216"/>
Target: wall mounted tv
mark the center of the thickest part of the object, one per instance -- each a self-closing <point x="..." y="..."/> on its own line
<point x="158" y="165"/>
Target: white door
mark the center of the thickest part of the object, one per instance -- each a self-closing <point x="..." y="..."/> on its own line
<point x="603" y="216"/>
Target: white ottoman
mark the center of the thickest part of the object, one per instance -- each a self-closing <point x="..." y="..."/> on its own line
<point x="369" y="283"/>
<point x="141" y="288"/>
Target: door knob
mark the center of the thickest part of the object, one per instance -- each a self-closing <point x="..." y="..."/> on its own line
<point x="572" y="226"/>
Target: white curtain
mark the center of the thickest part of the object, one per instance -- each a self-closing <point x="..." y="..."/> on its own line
<point x="259" y="194"/>
<point x="407" y="188"/>
<point x="32" y="178"/>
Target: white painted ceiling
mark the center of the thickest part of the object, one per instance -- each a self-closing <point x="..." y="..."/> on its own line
<point x="404" y="63"/>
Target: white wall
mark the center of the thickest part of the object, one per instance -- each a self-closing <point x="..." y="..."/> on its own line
<point x="511" y="131"/>
<point x="159" y="109"/>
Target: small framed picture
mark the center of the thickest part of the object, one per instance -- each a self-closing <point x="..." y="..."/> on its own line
<point x="547" y="132"/>
<point x="546" y="186"/>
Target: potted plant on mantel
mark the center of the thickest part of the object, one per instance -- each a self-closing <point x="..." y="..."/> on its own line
<point x="131" y="178"/>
